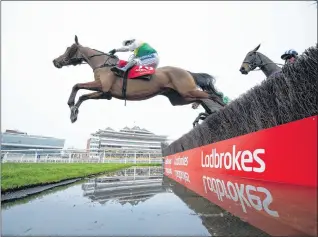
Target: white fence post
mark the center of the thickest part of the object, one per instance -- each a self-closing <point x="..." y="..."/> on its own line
<point x="21" y="159"/>
<point x="135" y="157"/>
<point x="5" y="157"/>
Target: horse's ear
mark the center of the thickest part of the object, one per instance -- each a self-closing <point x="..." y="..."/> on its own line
<point x="76" y="39"/>
<point x="257" y="48"/>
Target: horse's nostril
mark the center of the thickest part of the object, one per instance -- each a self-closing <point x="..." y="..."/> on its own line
<point x="56" y="64"/>
<point x="243" y="71"/>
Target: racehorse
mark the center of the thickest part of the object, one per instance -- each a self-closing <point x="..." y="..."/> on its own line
<point x="254" y="59"/>
<point x="178" y="85"/>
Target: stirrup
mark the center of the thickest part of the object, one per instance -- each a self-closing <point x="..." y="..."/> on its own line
<point x="115" y="69"/>
<point x="118" y="71"/>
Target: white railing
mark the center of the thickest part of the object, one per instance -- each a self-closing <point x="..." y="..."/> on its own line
<point x="81" y="156"/>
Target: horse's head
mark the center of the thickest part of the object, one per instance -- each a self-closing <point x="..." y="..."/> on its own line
<point x="72" y="56"/>
<point x="251" y="61"/>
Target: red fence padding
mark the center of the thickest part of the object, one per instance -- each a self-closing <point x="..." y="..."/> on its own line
<point x="268" y="178"/>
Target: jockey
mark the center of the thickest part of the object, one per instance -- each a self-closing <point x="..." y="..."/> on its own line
<point x="290" y="56"/>
<point x="143" y="54"/>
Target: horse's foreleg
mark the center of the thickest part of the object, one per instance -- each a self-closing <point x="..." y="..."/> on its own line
<point x="91" y="96"/>
<point x="93" y="86"/>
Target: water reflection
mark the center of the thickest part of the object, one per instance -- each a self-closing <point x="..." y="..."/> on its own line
<point x="132" y="186"/>
<point x="216" y="220"/>
<point x="138" y="202"/>
<point x="277" y="208"/>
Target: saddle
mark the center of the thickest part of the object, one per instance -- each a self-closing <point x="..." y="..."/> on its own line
<point x="135" y="72"/>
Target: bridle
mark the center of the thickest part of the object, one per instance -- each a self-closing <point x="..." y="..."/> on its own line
<point x="252" y="64"/>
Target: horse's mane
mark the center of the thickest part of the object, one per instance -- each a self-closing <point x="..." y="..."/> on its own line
<point x="111" y="61"/>
<point x="98" y="51"/>
<point x="281" y="98"/>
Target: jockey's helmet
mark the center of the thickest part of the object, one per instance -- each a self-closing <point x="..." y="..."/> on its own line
<point x="289" y="53"/>
<point x="128" y="41"/>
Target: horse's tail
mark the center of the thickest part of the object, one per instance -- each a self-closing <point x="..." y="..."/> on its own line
<point x="206" y="83"/>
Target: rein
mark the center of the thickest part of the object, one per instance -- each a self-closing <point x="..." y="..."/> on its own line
<point x="105" y="64"/>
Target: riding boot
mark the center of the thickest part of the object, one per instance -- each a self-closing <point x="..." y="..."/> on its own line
<point x="122" y="70"/>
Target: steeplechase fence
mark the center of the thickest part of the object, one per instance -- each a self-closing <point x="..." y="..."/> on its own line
<point x="257" y="157"/>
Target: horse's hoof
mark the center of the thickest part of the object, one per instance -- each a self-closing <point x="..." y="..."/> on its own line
<point x="74" y="113"/>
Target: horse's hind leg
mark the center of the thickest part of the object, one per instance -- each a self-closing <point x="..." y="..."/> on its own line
<point x="176" y="99"/>
<point x="94" y="96"/>
<point x="195" y="105"/>
<point x="199" y="95"/>
<point x="209" y="102"/>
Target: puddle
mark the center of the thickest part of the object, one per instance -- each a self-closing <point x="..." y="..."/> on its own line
<point x="137" y="201"/>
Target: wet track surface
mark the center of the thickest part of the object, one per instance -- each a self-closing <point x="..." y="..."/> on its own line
<point x="136" y="202"/>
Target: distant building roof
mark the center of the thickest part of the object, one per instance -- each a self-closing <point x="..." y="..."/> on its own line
<point x="125" y="129"/>
<point x="14" y="131"/>
<point x="17" y="133"/>
<point x="16" y="140"/>
<point x="134" y="130"/>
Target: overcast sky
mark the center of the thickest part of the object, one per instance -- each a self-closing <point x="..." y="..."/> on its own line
<point x="211" y="37"/>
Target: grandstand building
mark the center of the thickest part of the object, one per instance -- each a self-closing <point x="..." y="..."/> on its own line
<point x="127" y="140"/>
<point x="21" y="142"/>
<point x="147" y="182"/>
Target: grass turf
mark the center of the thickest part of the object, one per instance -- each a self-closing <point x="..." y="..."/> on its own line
<point x="18" y="175"/>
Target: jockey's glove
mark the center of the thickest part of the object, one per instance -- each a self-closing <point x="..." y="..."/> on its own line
<point x="112" y="52"/>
